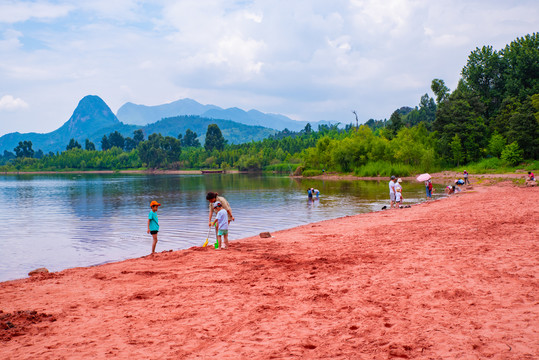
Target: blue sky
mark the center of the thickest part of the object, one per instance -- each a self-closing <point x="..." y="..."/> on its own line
<point x="307" y="59"/>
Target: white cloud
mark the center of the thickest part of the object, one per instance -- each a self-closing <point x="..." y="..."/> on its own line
<point x="18" y="11"/>
<point x="9" y="103"/>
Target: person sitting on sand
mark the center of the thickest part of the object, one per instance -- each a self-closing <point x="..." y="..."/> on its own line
<point x="531" y="176"/>
<point x="153" y="223"/>
<point x="222" y="221"/>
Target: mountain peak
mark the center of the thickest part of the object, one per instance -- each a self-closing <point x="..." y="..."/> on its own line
<point x="91" y="113"/>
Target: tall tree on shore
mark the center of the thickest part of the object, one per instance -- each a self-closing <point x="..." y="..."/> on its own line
<point x="88" y="145"/>
<point x="189" y="139"/>
<point x="116" y="140"/>
<point x="214" y="138"/>
<point x="73" y="144"/>
<point x="24" y="149"/>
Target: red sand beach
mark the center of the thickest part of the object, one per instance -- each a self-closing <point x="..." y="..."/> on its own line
<point x="448" y="279"/>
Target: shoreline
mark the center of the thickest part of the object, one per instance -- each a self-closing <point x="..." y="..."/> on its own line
<point x="378" y="285"/>
<point x="172" y="172"/>
<point x="444" y="175"/>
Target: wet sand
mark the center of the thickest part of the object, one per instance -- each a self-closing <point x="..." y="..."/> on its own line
<point x="449" y="279"/>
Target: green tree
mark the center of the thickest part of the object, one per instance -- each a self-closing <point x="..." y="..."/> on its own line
<point x="138" y="136"/>
<point x="190" y="139"/>
<point x="73" y="144"/>
<point x="88" y="145"/>
<point x="460" y="114"/>
<point x="456" y="149"/>
<point x="159" y="151"/>
<point x="496" y="145"/>
<point x="521" y="70"/>
<point x="214" y="138"/>
<point x="116" y="140"/>
<point x="395" y="122"/>
<point x="132" y="143"/>
<point x="105" y="145"/>
<point x="24" y="149"/>
<point x="483" y="76"/>
<point x="524" y="129"/>
<point x="512" y="154"/>
<point x="440" y="90"/>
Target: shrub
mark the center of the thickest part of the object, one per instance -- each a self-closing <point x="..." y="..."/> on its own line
<point x="384" y="168"/>
<point x="309" y="173"/>
<point x="512" y="153"/>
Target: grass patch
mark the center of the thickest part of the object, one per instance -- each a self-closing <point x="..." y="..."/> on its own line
<point x="309" y="173"/>
<point x="384" y="168"/>
<point x="497" y="166"/>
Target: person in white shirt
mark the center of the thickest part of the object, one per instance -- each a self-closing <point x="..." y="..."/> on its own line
<point x="398" y="192"/>
<point x="222" y="225"/>
<point x="392" y="192"/>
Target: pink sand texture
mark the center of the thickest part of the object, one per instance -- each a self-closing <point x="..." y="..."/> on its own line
<point x="448" y="279"/>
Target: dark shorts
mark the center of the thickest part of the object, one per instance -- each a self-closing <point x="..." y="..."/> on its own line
<point x="153" y="232"/>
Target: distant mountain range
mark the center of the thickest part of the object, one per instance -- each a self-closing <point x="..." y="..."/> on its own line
<point x="93" y="118"/>
<point x="131" y="113"/>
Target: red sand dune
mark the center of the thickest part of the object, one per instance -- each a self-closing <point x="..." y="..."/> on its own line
<point x="448" y="279"/>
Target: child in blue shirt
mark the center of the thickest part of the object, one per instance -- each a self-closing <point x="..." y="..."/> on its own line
<point x="153" y="223"/>
<point x="222" y="220"/>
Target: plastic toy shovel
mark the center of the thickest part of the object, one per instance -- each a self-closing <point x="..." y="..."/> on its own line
<point x="207" y="237"/>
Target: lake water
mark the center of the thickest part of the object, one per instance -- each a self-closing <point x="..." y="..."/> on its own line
<point x="65" y="220"/>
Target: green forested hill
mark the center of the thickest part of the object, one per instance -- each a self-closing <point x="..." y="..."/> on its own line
<point x="233" y="132"/>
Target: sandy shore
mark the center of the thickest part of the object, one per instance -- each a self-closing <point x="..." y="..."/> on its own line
<point x="450" y="279"/>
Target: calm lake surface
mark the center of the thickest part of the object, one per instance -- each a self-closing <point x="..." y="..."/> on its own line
<point x="65" y="220"/>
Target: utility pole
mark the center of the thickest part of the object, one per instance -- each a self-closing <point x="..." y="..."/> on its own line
<point x="357" y="121"/>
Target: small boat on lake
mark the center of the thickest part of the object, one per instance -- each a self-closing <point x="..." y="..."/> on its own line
<point x="212" y="171"/>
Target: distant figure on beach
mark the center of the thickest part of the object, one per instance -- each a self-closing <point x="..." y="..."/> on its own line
<point x="316" y="193"/>
<point x="213" y="197"/>
<point x="222" y="225"/>
<point x="398" y="192"/>
<point x="465" y="175"/>
<point x="428" y="188"/>
<point x="459" y="182"/>
<point x="451" y="189"/>
<point x="153" y="223"/>
<point x="531" y="176"/>
<point x="310" y="193"/>
<point x="392" y="192"/>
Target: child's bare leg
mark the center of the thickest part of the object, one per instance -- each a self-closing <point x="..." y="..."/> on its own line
<point x="218" y="241"/>
<point x="226" y="240"/>
<point x="154" y="242"/>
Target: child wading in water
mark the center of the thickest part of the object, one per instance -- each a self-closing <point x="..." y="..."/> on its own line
<point x="222" y="220"/>
<point x="153" y="223"/>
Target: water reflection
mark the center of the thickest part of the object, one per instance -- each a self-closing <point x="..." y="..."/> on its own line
<point x="60" y="221"/>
